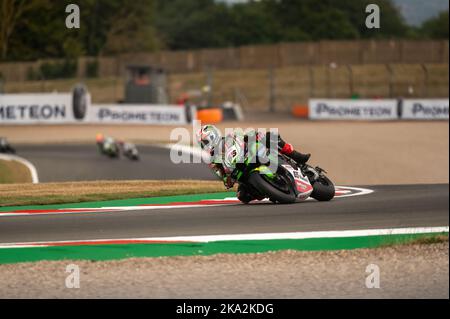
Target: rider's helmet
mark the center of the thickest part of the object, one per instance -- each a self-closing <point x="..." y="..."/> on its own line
<point x="99" y="138"/>
<point x="209" y="137"/>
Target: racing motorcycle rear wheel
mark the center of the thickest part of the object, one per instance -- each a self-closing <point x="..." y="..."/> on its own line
<point x="279" y="189"/>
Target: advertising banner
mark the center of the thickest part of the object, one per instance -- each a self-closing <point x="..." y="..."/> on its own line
<point x="138" y="114"/>
<point x="425" y="109"/>
<point x="36" y="108"/>
<point x="345" y="109"/>
<point x="76" y="108"/>
<point x="45" y="108"/>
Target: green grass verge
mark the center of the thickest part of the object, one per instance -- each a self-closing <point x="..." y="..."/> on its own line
<point x="427" y="239"/>
<point x="14" y="172"/>
<point x="126" y="202"/>
<point x="112" y="252"/>
<point x="79" y="192"/>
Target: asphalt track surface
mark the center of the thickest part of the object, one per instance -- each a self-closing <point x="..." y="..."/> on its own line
<point x="62" y="163"/>
<point x="386" y="207"/>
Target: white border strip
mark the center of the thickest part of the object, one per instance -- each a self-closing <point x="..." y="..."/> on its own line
<point x="113" y="209"/>
<point x="29" y="165"/>
<point x="264" y="236"/>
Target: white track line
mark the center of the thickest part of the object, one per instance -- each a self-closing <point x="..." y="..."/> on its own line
<point x="233" y="201"/>
<point x="264" y="236"/>
<point x="361" y="191"/>
<point x="113" y="209"/>
<point x="29" y="165"/>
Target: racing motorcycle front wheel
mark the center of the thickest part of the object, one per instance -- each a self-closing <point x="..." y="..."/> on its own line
<point x="323" y="189"/>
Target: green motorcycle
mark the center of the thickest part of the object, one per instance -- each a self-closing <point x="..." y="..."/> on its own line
<point x="110" y="148"/>
<point x="264" y="174"/>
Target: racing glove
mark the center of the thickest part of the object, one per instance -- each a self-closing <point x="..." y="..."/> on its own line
<point x="227" y="180"/>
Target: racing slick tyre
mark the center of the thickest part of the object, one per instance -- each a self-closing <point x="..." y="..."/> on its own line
<point x="79" y="102"/>
<point x="323" y="189"/>
<point x="279" y="191"/>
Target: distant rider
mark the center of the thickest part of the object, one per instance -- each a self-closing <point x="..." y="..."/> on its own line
<point x="107" y="145"/>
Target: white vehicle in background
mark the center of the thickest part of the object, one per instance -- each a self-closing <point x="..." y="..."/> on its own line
<point x="5" y="147"/>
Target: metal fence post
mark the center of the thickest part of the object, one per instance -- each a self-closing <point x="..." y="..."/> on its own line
<point x="426" y="76"/>
<point x="328" y="81"/>
<point x="391" y="80"/>
<point x="350" y="79"/>
<point x="272" y="100"/>
<point x="311" y="82"/>
<point x="209" y="81"/>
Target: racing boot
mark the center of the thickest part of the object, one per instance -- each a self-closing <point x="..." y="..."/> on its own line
<point x="299" y="157"/>
<point x="289" y="151"/>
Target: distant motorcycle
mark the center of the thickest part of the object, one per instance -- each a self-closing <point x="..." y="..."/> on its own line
<point x="5" y="147"/>
<point x="130" y="151"/>
<point x="109" y="147"/>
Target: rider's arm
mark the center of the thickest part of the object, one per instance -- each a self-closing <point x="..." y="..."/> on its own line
<point x="219" y="170"/>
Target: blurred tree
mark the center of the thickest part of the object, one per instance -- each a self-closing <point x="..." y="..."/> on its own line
<point x="132" y="29"/>
<point x="187" y="24"/>
<point x="253" y="23"/>
<point x="107" y="26"/>
<point x="392" y="22"/>
<point x="33" y="29"/>
<point x="11" y="11"/>
<point x="436" y="28"/>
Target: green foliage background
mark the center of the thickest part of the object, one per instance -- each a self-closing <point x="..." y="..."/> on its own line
<point x="31" y="30"/>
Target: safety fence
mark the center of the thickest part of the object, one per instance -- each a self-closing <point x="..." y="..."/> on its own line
<point x="249" y="57"/>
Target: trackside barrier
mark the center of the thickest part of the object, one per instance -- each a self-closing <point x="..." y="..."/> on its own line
<point x="76" y="108"/>
<point x="301" y="111"/>
<point x="330" y="109"/>
<point x="210" y="115"/>
<point x="48" y="108"/>
<point x="376" y="109"/>
<point x="138" y="114"/>
<point x="424" y="109"/>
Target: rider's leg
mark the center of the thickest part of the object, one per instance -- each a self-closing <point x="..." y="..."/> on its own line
<point x="296" y="156"/>
<point x="288" y="150"/>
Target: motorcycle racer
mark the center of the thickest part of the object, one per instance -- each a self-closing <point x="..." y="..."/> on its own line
<point x="107" y="145"/>
<point x="211" y="141"/>
<point x="129" y="150"/>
